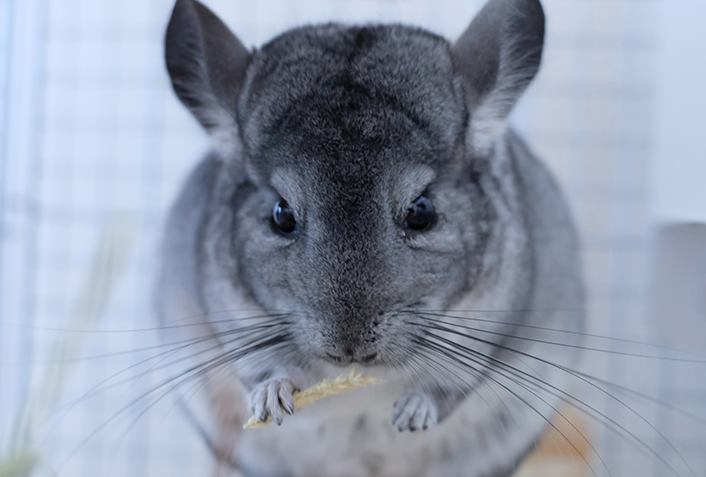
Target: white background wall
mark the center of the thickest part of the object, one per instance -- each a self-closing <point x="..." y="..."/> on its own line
<point x="679" y="171"/>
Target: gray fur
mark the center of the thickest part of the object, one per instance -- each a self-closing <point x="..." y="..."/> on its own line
<point x="349" y="125"/>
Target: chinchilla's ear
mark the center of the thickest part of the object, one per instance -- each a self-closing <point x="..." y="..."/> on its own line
<point x="497" y="56"/>
<point x="207" y="65"/>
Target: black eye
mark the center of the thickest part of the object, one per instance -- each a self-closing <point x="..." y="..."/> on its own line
<point x="283" y="217"/>
<point x="421" y="214"/>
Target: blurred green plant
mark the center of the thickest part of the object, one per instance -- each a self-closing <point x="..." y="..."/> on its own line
<point x="111" y="256"/>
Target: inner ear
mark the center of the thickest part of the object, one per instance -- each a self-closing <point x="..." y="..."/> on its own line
<point x="206" y="63"/>
<point x="497" y="57"/>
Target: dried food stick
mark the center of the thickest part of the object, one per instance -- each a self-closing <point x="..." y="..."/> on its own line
<point x="345" y="382"/>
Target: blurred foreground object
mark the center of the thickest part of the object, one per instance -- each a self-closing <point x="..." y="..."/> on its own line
<point x="564" y="451"/>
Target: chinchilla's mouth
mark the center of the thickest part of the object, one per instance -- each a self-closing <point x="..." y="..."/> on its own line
<point x="348" y="359"/>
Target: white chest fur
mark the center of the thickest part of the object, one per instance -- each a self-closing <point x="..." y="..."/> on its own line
<point x="351" y="435"/>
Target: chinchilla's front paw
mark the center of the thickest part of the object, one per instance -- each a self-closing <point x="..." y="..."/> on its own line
<point x="273" y="398"/>
<point x="414" y="410"/>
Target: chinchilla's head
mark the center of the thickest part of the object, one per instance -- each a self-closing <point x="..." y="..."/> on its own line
<point x="357" y="152"/>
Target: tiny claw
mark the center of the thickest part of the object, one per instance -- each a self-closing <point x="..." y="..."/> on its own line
<point x="272" y="400"/>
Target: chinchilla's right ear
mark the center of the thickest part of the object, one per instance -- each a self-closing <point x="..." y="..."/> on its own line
<point x="207" y="65"/>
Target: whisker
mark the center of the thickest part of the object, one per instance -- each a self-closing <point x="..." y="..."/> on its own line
<point x="476" y="372"/>
<point x="149" y="348"/>
<point x="566" y="345"/>
<point x="542" y="328"/>
<point x="445" y="351"/>
<point x="585" y="375"/>
<point x="98" y="389"/>
<point x="572" y="398"/>
<point x="156" y="328"/>
<point x="227" y="357"/>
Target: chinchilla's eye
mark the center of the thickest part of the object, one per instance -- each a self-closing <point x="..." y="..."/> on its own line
<point x="421" y="214"/>
<point x="283" y="217"/>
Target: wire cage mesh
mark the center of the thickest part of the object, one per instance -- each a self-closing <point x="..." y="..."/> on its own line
<point x="94" y="146"/>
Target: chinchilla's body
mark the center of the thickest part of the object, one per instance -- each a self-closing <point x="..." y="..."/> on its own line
<point x="365" y="204"/>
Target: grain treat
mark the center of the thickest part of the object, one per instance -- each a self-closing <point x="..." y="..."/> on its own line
<point x="345" y="382"/>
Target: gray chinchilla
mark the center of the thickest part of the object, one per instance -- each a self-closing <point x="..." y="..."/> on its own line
<point x="365" y="204"/>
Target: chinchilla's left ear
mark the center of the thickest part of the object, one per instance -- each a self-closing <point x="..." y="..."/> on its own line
<point x="497" y="56"/>
<point x="207" y="65"/>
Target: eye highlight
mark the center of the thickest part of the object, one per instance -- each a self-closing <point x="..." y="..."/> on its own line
<point x="421" y="215"/>
<point x="283" y="217"/>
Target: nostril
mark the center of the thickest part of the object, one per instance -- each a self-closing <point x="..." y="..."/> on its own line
<point x="335" y="358"/>
<point x="369" y="358"/>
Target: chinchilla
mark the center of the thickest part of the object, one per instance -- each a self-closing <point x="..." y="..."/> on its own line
<point x="366" y="204"/>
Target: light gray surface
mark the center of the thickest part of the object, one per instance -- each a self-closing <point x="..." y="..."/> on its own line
<point x="679" y="160"/>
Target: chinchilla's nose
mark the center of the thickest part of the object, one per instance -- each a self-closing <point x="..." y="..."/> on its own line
<point x="344" y="355"/>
